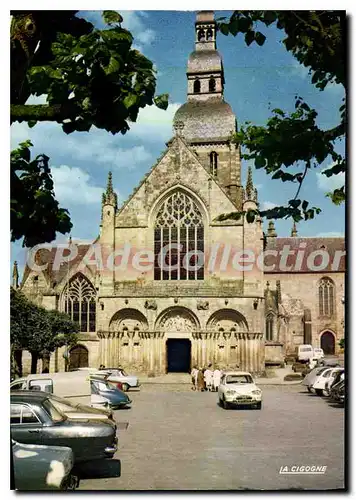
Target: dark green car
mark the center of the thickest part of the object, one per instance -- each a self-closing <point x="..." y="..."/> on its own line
<point x="35" y="420"/>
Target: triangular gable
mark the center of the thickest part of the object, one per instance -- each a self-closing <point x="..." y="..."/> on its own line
<point x="178" y="165"/>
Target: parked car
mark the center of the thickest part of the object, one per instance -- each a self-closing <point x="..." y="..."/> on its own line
<point x="304" y="353"/>
<point x="320" y="382"/>
<point x="114" y="397"/>
<point x="81" y="412"/>
<point x="74" y="386"/>
<point x="39" y="467"/>
<point x="337" y="392"/>
<point x="239" y="389"/>
<point x="318" y="353"/>
<point x="334" y="379"/>
<point x="35" y="419"/>
<point x="310" y="378"/>
<point x="119" y="375"/>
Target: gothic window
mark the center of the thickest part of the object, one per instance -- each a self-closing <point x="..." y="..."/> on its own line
<point x="269" y="326"/>
<point x="179" y="239"/>
<point x="213" y="163"/>
<point x="326" y="297"/>
<point x="209" y="34"/>
<point x="212" y="84"/>
<point x="79" y="303"/>
<point x="196" y="86"/>
<point x="201" y="35"/>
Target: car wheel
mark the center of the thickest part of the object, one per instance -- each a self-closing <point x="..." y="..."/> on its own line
<point x="125" y="387"/>
<point x="319" y="392"/>
<point x="309" y="388"/>
<point x="326" y="393"/>
<point x="225" y="404"/>
<point x="259" y="405"/>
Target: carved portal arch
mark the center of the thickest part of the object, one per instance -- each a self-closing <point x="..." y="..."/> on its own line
<point x="177" y="320"/>
<point x="227" y="320"/>
<point x="128" y="320"/>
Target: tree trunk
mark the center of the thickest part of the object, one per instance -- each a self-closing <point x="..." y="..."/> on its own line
<point x="18" y="362"/>
<point x="45" y="362"/>
<point x="34" y="359"/>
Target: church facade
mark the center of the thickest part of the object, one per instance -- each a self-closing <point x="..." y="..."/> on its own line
<point x="175" y="286"/>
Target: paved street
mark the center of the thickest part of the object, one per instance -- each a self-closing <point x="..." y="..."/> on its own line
<point x="181" y="440"/>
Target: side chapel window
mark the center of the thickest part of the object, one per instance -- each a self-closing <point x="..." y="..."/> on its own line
<point x="326" y="297"/>
<point x="79" y="302"/>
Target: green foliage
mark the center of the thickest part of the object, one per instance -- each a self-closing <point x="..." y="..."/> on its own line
<point x="316" y="40"/>
<point x="35" y="213"/>
<point x="342" y="343"/>
<point x="91" y="77"/>
<point x="36" y="329"/>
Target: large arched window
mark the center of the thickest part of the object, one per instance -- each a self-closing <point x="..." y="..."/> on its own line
<point x="213" y="163"/>
<point x="269" y="327"/>
<point x="196" y="86"/>
<point x="326" y="297"/>
<point x="179" y="239"/>
<point x="79" y="302"/>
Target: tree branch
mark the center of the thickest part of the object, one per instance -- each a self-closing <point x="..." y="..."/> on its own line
<point x="42" y="112"/>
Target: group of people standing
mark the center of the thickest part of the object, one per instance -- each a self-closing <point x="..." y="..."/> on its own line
<point x="205" y="379"/>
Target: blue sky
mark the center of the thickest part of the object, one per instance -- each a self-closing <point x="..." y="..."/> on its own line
<point x="257" y="79"/>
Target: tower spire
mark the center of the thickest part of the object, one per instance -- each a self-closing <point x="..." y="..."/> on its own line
<point x="251" y="191"/>
<point x="109" y="188"/>
<point x="271" y="231"/>
<point x="109" y="197"/>
<point x="15" y="276"/>
<point x="294" y="232"/>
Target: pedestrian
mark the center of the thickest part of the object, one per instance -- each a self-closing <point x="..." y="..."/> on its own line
<point x="216" y="378"/>
<point x="200" y="380"/>
<point x="194" y="375"/>
<point x="208" y="378"/>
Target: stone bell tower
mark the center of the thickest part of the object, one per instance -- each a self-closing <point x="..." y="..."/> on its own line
<point x="207" y="121"/>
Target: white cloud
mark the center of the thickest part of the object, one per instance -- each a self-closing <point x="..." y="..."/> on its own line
<point x="332" y="234"/>
<point x="99" y="146"/>
<point x="133" y="21"/>
<point x="330" y="183"/>
<point x="268" y="205"/>
<point x="155" y="123"/>
<point x="73" y="186"/>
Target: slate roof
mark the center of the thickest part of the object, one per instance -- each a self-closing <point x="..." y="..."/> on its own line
<point x="329" y="245"/>
<point x="47" y="256"/>
<point x="210" y="119"/>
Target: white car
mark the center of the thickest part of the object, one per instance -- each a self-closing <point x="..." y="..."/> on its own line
<point x="318" y="353"/>
<point x="327" y="376"/>
<point x="118" y="375"/>
<point x="239" y="389"/>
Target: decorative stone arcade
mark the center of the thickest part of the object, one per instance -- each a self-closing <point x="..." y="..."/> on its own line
<point x="148" y="351"/>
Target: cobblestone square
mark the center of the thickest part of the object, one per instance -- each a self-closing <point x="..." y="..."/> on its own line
<point x="181" y="440"/>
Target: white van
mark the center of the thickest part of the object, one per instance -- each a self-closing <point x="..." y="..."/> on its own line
<point x="305" y="352"/>
<point x="74" y="386"/>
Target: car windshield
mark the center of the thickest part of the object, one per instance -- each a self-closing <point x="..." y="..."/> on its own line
<point x="55" y="414"/>
<point x="239" y="379"/>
